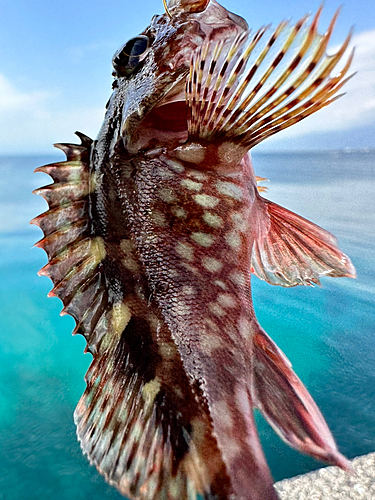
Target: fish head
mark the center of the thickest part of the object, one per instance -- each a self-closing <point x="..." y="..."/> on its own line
<point x="148" y="106"/>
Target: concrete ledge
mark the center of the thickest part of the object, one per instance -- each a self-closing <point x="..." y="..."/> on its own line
<point x="332" y="483"/>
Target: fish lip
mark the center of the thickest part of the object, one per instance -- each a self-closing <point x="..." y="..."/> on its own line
<point x="176" y="94"/>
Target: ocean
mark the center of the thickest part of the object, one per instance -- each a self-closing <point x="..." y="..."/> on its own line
<point x="327" y="332"/>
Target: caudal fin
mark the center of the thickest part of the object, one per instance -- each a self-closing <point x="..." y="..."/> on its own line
<point x="287" y="405"/>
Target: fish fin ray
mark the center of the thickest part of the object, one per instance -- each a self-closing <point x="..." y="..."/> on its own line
<point x="287" y="405"/>
<point x="74" y="255"/>
<point x="249" y="88"/>
<point x="261" y="189"/>
<point x="128" y="431"/>
<point x="293" y="251"/>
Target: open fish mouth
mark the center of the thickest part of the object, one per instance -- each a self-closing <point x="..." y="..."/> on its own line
<point x="170" y="116"/>
<point x="167" y="122"/>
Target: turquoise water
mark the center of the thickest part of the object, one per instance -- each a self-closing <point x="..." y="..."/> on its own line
<point x="328" y="333"/>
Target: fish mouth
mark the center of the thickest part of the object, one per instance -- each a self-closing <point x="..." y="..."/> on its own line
<point x="169" y="116"/>
<point x="166" y="124"/>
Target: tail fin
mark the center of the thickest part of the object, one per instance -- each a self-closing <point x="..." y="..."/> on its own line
<point x="287" y="406"/>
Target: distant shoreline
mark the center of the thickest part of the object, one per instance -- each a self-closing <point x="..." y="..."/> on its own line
<point x="365" y="150"/>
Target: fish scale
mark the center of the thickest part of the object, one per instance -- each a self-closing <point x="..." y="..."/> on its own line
<point x="210" y="307"/>
<point x="152" y="234"/>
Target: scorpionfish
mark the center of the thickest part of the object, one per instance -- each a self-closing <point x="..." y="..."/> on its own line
<point x="152" y="234"/>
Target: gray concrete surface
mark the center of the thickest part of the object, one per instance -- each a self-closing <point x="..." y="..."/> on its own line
<point x="332" y="483"/>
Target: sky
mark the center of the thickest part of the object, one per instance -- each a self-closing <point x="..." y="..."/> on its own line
<point x="55" y="69"/>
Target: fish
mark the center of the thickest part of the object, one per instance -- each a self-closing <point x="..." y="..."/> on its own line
<point x="153" y="232"/>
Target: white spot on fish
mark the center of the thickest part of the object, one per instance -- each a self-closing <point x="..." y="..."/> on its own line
<point x="211" y="264"/>
<point x="179" y="212"/>
<point x="200" y="176"/>
<point x="205" y="200"/>
<point x="130" y="263"/>
<point x="209" y="343"/>
<point x="243" y="400"/>
<point x="238" y="278"/>
<point x="190" y="268"/>
<point x="150" y="391"/>
<point x="192" y="185"/>
<point x="233" y="239"/>
<point x="167" y="350"/>
<point x="174" y="165"/>
<point x="165" y="173"/>
<point x="211" y="325"/>
<point x="159" y="218"/>
<point x="188" y="290"/>
<point x="203" y="239"/>
<point x="221" y="284"/>
<point x="120" y="317"/>
<point x="226" y="300"/>
<point x="244" y="327"/>
<point x="127" y="246"/>
<point x="229" y="189"/>
<point x="97" y="249"/>
<point x="212" y="220"/>
<point x="185" y="251"/>
<point x="216" y="309"/>
<point x="222" y="411"/>
<point x="192" y="153"/>
<point x="167" y="195"/>
<point x="240" y="223"/>
<point x="181" y="308"/>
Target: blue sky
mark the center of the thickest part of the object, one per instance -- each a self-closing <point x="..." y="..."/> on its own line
<point x="55" y="69"/>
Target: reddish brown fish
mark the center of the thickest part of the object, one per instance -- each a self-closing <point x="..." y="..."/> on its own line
<point x="152" y="234"/>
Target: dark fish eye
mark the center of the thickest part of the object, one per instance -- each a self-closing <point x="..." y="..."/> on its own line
<point x="127" y="58"/>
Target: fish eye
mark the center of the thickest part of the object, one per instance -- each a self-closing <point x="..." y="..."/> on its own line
<point x="127" y="58"/>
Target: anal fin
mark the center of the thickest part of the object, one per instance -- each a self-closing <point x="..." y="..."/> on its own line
<point x="287" y="405"/>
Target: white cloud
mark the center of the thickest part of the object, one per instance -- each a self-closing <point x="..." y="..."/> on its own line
<point x="356" y="107"/>
<point x="30" y="122"/>
<point x="12" y="100"/>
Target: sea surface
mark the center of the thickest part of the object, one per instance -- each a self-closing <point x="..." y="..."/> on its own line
<point x="328" y="333"/>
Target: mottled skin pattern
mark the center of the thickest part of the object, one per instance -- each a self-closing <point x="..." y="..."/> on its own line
<point x="200" y="232"/>
<point x="152" y="234"/>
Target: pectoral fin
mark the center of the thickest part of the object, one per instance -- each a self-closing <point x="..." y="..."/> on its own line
<point x="290" y="250"/>
<point x="248" y="89"/>
<point x="148" y="439"/>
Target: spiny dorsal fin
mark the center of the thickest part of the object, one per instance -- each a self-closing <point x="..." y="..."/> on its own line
<point x="250" y="88"/>
<point x="74" y="253"/>
<point x="290" y="250"/>
<point x="261" y="189"/>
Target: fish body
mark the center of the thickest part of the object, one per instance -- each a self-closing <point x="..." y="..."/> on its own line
<point x="153" y="232"/>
